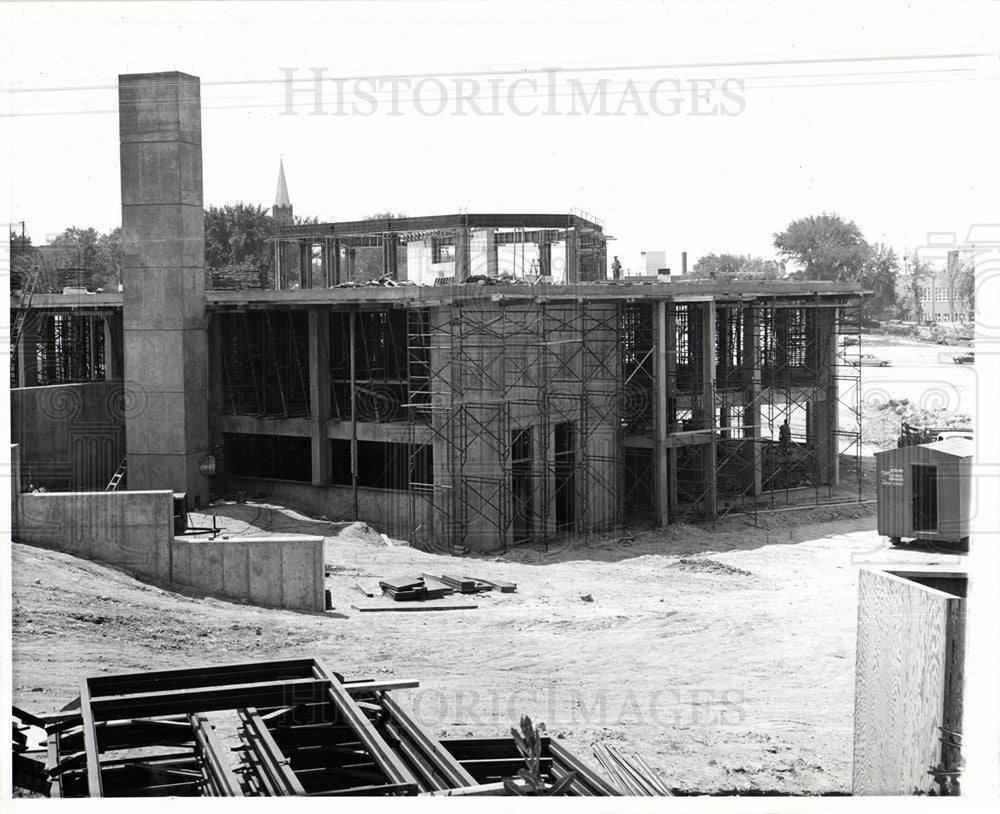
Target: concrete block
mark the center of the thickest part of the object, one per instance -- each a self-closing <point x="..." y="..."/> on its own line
<point x="162" y="236"/>
<point x="300" y="567"/>
<point x="138" y="549"/>
<point x="146" y="471"/>
<point x="160" y="429"/>
<point x="181" y="565"/>
<point x="155" y="352"/>
<point x="235" y="570"/>
<point x="149" y="173"/>
<point x="156" y="107"/>
<point x="206" y="566"/>
<point x="161" y="173"/>
<point x="265" y="573"/>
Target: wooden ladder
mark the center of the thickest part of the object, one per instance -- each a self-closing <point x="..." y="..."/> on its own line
<point x="116" y="478"/>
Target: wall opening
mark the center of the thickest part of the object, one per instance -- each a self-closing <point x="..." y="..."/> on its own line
<point x="522" y="485"/>
<point x="278" y="457"/>
<point x="265" y="363"/>
<point x="384" y="465"/>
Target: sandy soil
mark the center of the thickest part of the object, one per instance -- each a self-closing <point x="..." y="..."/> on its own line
<point x="725" y="658"/>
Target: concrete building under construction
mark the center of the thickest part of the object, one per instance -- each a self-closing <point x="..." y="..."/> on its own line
<point x="464" y="381"/>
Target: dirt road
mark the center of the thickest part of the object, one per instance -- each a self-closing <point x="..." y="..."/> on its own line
<point x="727" y="659"/>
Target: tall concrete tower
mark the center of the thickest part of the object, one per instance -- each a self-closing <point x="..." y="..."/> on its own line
<point x="164" y="316"/>
<point x="282" y="210"/>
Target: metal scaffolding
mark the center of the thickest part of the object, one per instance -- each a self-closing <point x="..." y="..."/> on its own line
<point x="518" y="399"/>
<point x="265" y="363"/>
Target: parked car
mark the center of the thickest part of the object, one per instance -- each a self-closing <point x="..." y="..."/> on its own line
<point x="870" y="360"/>
<point x="947" y="434"/>
<point x="965" y="358"/>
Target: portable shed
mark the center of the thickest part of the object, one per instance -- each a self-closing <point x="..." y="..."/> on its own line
<point x="924" y="491"/>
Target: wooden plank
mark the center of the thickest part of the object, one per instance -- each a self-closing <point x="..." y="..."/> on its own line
<point x="411" y="606"/>
<point x="504" y="587"/>
<point x="369" y="588"/>
<point x="401" y="583"/>
<point x="900" y="681"/>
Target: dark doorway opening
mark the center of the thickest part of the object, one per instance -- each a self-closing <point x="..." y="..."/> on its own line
<point x="522" y="485"/>
<point x="925" y="498"/>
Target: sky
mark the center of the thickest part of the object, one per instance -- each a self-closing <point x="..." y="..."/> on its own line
<point x="721" y="122"/>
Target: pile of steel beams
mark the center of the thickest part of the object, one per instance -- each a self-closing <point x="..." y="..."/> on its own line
<point x="280" y="728"/>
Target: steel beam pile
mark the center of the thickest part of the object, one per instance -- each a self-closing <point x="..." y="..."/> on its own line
<point x="300" y="730"/>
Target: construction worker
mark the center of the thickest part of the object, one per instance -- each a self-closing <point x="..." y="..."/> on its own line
<point x="785" y="438"/>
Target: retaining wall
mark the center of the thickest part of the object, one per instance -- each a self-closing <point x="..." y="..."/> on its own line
<point x="134" y="531"/>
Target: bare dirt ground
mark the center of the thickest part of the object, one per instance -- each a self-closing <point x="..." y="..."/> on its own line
<point x="725" y="658"/>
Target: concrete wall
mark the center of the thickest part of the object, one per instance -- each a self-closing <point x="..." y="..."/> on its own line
<point x="134" y="531"/>
<point x="908" y="682"/>
<point x="387" y="510"/>
<point x="277" y="572"/>
<point x="129" y="530"/>
<point x="163" y="280"/>
<point x="71" y="436"/>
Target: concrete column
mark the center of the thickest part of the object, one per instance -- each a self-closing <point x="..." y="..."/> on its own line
<point x="670" y="323"/>
<point x="279" y="266"/>
<point x="216" y="395"/>
<point x="390" y="243"/>
<point x="543" y="466"/>
<point x="165" y="331"/>
<point x="112" y="365"/>
<point x="305" y="265"/>
<point x="572" y="256"/>
<point x="661" y="472"/>
<point x="319" y="394"/>
<point x="751" y="397"/>
<point x="27" y="351"/>
<point x="462" y="258"/>
<point x="708" y="402"/>
<point x="349" y="257"/>
<point x="822" y="425"/>
<point x="335" y="270"/>
<point x="492" y="258"/>
<point x="545" y="258"/>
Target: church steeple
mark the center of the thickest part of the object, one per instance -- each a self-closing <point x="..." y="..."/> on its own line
<point x="282" y="210"/>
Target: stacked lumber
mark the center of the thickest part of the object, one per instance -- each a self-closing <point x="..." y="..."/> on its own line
<point x="417" y="589"/>
<point x="435" y="586"/>
<point x="474" y="585"/>
<point x="633" y="775"/>
<point x="405" y="589"/>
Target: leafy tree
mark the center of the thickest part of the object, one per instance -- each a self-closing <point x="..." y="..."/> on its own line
<point x="716" y="264"/>
<point x="24" y="258"/>
<point x="879" y="276"/>
<point x="237" y="235"/>
<point x="736" y="267"/>
<point x="384" y="215"/>
<point x="80" y="257"/>
<point x="919" y="272"/>
<point x="963" y="283"/>
<point x="825" y="246"/>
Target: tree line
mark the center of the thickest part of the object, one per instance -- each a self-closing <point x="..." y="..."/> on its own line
<point x="237" y="237"/>
<point x="828" y="247"/>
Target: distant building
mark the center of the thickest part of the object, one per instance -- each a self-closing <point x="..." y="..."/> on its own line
<point x="939" y="300"/>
